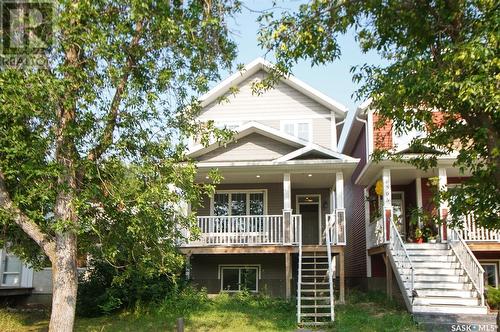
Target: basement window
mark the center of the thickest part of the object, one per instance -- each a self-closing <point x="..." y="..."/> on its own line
<point x="490" y="274"/>
<point x="239" y="278"/>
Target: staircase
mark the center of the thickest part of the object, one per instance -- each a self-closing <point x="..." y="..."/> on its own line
<point x="439" y="278"/>
<point x="315" y="294"/>
<point x="314" y="302"/>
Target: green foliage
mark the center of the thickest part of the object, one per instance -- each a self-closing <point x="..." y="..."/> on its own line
<point x="441" y="56"/>
<point x="101" y="129"/>
<point x="105" y="289"/>
<point x="493" y="296"/>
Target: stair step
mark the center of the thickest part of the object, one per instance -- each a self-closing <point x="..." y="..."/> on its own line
<point x="314" y="306"/>
<point x="314" y="283"/>
<point x="314" y="263"/>
<point x="437" y="265"/>
<point x="429" y="252"/>
<point x="450" y="309"/>
<point x="446" y="293"/>
<point x="314" y="323"/>
<point x="440" y="258"/>
<point x="314" y="298"/>
<point x="445" y="300"/>
<point x="314" y="257"/>
<point x="433" y="285"/>
<point x="426" y="246"/>
<point x="434" y="271"/>
<point x="315" y="290"/>
<point x="312" y="314"/>
<point x="449" y="278"/>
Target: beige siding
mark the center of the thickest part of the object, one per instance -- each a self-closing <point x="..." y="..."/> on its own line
<point x="281" y="103"/>
<point x="251" y="147"/>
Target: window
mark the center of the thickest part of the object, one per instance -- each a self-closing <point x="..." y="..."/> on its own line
<point x="299" y="128"/>
<point x="10" y="272"/>
<point x="239" y="203"/>
<point x="238" y="278"/>
<point x="490" y="274"/>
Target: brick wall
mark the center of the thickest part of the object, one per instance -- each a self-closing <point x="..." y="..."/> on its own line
<point x="382" y="135"/>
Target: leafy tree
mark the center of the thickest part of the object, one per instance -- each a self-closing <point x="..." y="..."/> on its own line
<point x="91" y="140"/>
<point x="442" y="77"/>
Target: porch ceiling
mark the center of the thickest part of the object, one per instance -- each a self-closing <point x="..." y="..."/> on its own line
<point x="299" y="179"/>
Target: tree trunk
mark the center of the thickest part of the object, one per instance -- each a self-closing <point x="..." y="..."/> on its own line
<point x="64" y="283"/>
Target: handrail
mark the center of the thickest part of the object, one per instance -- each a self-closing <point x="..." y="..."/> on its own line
<point x="335" y="224"/>
<point x="398" y="249"/>
<point x="328" y="227"/>
<point x="468" y="261"/>
<point x="299" y="279"/>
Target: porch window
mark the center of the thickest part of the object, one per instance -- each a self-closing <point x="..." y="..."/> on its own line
<point x="239" y="203"/>
<point x="299" y="128"/>
<point x="238" y="278"/>
<point x="490" y="274"/>
<point x="10" y="272"/>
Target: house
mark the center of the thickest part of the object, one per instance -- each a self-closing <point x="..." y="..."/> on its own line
<point x="443" y="277"/>
<point x="277" y="221"/>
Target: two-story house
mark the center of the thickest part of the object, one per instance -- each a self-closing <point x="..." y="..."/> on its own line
<point x="276" y="223"/>
<point x="392" y="207"/>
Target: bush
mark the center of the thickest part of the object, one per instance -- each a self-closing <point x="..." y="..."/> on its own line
<point x="104" y="289"/>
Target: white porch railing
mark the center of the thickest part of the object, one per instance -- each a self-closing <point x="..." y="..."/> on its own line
<point x="470" y="232"/>
<point x="245" y="230"/>
<point x="468" y="261"/>
<point x="335" y="225"/>
<point x="376" y="233"/>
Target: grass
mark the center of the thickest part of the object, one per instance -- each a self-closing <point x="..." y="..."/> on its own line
<point x="363" y="312"/>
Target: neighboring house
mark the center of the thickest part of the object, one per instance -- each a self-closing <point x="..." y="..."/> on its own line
<point x="19" y="280"/>
<point x="442" y="277"/>
<point x="276" y="223"/>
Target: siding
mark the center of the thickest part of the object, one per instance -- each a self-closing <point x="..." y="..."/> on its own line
<point x="281" y="103"/>
<point x="248" y="148"/>
<point x="205" y="268"/>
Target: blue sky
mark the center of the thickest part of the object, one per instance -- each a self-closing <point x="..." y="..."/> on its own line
<point x="334" y="80"/>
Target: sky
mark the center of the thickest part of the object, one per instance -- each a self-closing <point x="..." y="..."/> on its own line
<point x="334" y="79"/>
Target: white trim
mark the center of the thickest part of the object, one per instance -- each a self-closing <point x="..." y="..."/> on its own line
<point x="236" y="191"/>
<point x="295" y="124"/>
<point x="309" y="148"/>
<point x="369" y="135"/>
<point x="318" y="163"/>
<point x="298" y="204"/>
<point x="261" y="64"/>
<point x="333" y="133"/>
<point x="223" y="267"/>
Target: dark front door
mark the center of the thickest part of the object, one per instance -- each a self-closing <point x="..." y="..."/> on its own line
<point x="310" y="224"/>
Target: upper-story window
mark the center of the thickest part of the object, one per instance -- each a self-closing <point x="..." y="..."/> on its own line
<point x="239" y="203"/>
<point x="299" y="128"/>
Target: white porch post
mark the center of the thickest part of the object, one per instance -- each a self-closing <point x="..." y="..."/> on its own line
<point x="443" y="206"/>
<point x="367" y="232"/>
<point x="287" y="208"/>
<point x="339" y="186"/>
<point x="420" y="205"/>
<point x="386" y="181"/>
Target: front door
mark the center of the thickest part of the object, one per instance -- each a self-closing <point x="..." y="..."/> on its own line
<point x="398" y="212"/>
<point x="308" y="207"/>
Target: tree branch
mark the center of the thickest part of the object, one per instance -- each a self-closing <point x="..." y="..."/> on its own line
<point x="106" y="138"/>
<point x="26" y="224"/>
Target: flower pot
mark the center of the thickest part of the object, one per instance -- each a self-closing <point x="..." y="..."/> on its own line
<point x="419" y="240"/>
<point x="432" y="241"/>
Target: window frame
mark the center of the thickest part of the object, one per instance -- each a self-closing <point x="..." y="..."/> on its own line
<point x="494" y="263"/>
<point x="247" y="192"/>
<point x="295" y="124"/>
<point x="3" y="255"/>
<point x="239" y="267"/>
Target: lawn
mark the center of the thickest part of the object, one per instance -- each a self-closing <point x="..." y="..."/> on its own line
<point x="363" y="312"/>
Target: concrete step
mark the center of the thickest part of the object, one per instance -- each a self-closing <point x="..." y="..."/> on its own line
<point x="445" y="300"/>
<point x="450" y="309"/>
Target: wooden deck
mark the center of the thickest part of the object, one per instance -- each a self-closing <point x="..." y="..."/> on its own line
<point x="484" y="246"/>
<point x="257" y="249"/>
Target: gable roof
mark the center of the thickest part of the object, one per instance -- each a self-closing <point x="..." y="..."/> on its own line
<point x="261" y="64"/>
<point x="303" y="147"/>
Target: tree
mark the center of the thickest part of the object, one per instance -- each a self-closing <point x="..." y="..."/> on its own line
<point x="91" y="140"/>
<point x="442" y="57"/>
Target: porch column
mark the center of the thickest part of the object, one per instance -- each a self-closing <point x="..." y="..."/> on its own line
<point x="339" y="186"/>
<point x="287" y="208"/>
<point x="288" y="275"/>
<point x="386" y="181"/>
<point x="443" y="206"/>
<point x="420" y="205"/>
<point x="368" y="236"/>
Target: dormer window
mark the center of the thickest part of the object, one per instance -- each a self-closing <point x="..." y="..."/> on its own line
<point x="301" y="129"/>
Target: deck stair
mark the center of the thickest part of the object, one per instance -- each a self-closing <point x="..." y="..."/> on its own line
<point x="314" y="287"/>
<point x="438" y="278"/>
